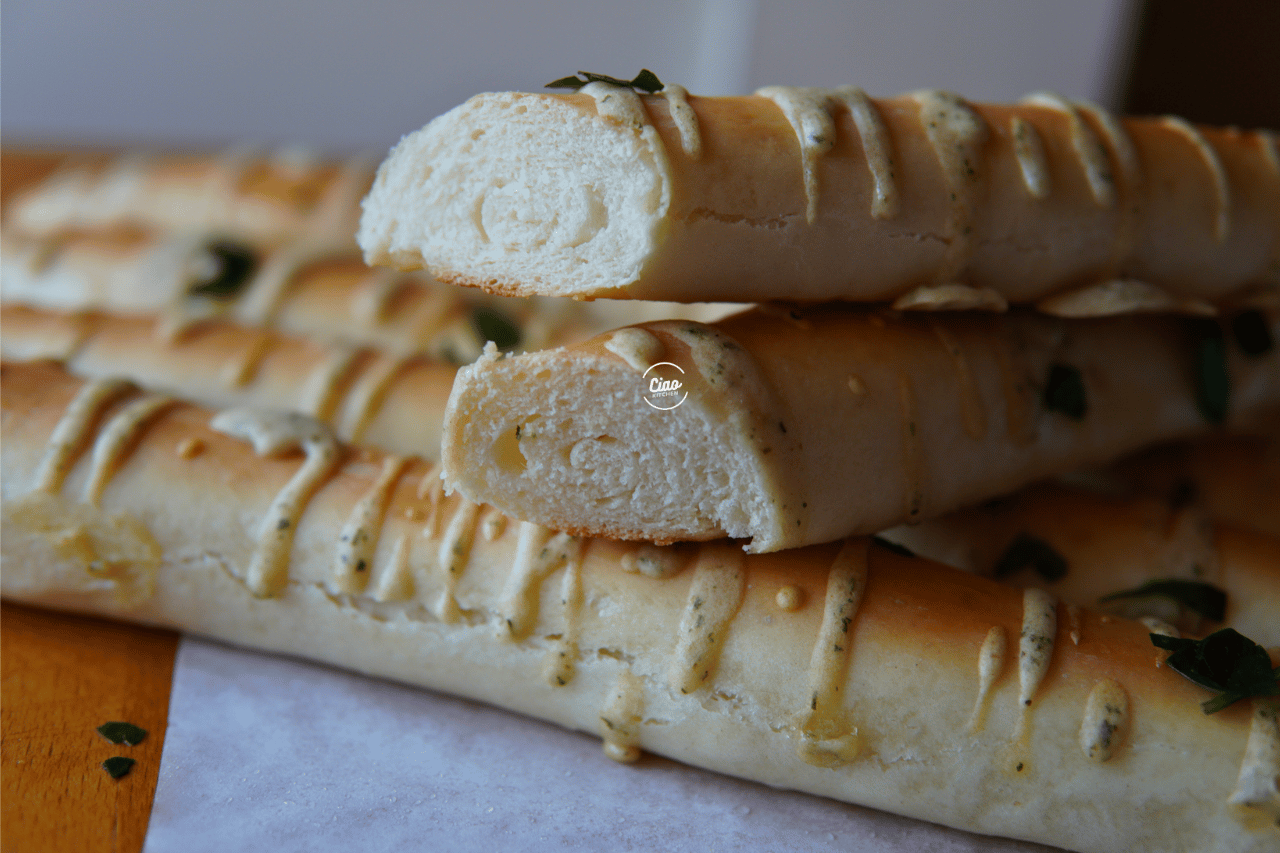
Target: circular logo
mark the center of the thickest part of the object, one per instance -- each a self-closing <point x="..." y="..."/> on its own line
<point x="664" y="386"/>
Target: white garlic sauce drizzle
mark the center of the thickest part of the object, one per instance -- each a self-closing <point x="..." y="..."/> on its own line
<point x="72" y="429"/>
<point x="1106" y="717"/>
<point x="114" y="437"/>
<point x="654" y="561"/>
<point x="561" y="660"/>
<point x="1088" y="147"/>
<point x="715" y="594"/>
<point x="621" y="717"/>
<point x="358" y="540"/>
<point x="990" y="666"/>
<point x="455" y="552"/>
<point x="684" y="118"/>
<point x="243" y="367"/>
<point x="1028" y="148"/>
<point x="275" y="433"/>
<point x="1256" y="786"/>
<point x="957" y="133"/>
<point x="267" y="290"/>
<point x="366" y="395"/>
<point x="826" y="742"/>
<point x="320" y="393"/>
<point x="808" y="112"/>
<point x="538" y="554"/>
<point x="875" y="147"/>
<point x="1036" y="642"/>
<point x="493" y="524"/>
<point x="952" y="296"/>
<point x="1217" y="173"/>
<point x="639" y="348"/>
<point x="370" y="301"/>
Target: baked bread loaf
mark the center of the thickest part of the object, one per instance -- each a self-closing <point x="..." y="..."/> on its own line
<point x="301" y="287"/>
<point x="256" y="195"/>
<point x="845" y="670"/>
<point x="1129" y="555"/>
<point x="811" y="194"/>
<point x="794" y="426"/>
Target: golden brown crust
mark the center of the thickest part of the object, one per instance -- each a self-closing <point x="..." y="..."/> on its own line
<point x="494" y="628"/>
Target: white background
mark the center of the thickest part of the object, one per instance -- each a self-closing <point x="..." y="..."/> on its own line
<point x="340" y="76"/>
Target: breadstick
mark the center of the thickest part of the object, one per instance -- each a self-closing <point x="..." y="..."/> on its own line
<point x="791" y="427"/>
<point x="809" y="194"/>
<point x="301" y="287"/>
<point x="879" y="683"/>
<point x="238" y="193"/>
<point x="1084" y="547"/>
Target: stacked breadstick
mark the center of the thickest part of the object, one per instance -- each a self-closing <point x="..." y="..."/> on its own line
<point x="849" y="669"/>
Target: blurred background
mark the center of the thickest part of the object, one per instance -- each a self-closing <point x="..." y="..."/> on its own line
<point x="340" y="76"/>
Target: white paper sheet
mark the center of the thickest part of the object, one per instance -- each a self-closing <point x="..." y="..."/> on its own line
<point x="267" y="753"/>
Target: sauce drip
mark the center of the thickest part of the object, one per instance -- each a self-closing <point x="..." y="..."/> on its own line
<point x="828" y="742"/>
<point x="1036" y="642"/>
<point x="455" y="551"/>
<point x="876" y="148"/>
<point x="1106" y="717"/>
<point x="1029" y="149"/>
<point x="538" y="554"/>
<point x="685" y="119"/>
<point x="639" y="348"/>
<point x="972" y="411"/>
<point x="621" y="717"/>
<point x="274" y="433"/>
<point x="990" y="666"/>
<point x="654" y="561"/>
<point x="1088" y="147"/>
<point x="1217" y="173"/>
<point x="1130" y="176"/>
<point x="353" y="560"/>
<point x="957" y="134"/>
<point x="395" y="582"/>
<point x="370" y="302"/>
<point x="715" y="595"/>
<point x="241" y="369"/>
<point x="365" y="397"/>
<point x="1255" y="792"/>
<point x="265" y="294"/>
<point x="952" y="296"/>
<point x="493" y="524"/>
<point x="320" y="394"/>
<point x="808" y="111"/>
<point x="560" y="664"/>
<point x="114" y="438"/>
<point x="72" y="430"/>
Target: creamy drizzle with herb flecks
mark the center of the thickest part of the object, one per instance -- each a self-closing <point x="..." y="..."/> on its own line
<point x="366" y="395"/>
<point x="395" y="581"/>
<point x="990" y="666"/>
<point x="353" y="559"/>
<point x="1128" y="177"/>
<point x="654" y="561"/>
<point x="828" y="740"/>
<point x="807" y="110"/>
<point x="320" y="393"/>
<point x="72" y="430"/>
<point x="639" y="348"/>
<point x="455" y="551"/>
<point x="1036" y="642"/>
<point x="621" y="717"/>
<point x="1217" y="174"/>
<point x="1029" y="149"/>
<point x="875" y="147"/>
<point x="561" y="660"/>
<point x="538" y="554"/>
<point x="684" y="118"/>
<point x="1106" y="716"/>
<point x="1088" y="147"/>
<point x="715" y="594"/>
<point x="112" y="440"/>
<point x="275" y="433"/>
<point x="957" y="134"/>
<point x="1256" y="791"/>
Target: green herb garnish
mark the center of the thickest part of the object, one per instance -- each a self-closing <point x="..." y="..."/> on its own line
<point x="495" y="326"/>
<point x="1213" y="384"/>
<point x="118" y="766"/>
<point x="222" y="270"/>
<point x="900" y="550"/>
<point x="1225" y="661"/>
<point x="1251" y="333"/>
<point x="1027" y="551"/>
<point x="126" y="733"/>
<point x="1064" y="391"/>
<point x="1201" y="598"/>
<point x="645" y="81"/>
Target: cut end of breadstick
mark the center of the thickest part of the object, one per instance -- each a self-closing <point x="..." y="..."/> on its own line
<point x="522" y="193"/>
<point x="657" y="426"/>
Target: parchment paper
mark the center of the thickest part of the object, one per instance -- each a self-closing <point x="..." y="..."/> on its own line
<point x="267" y="753"/>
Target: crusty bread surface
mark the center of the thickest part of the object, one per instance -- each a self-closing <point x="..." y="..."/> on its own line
<point x="865" y="686"/>
<point x="795" y="426"/>
<point x="806" y="194"/>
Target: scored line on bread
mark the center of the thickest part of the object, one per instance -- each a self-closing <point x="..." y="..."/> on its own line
<point x="915" y="636"/>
